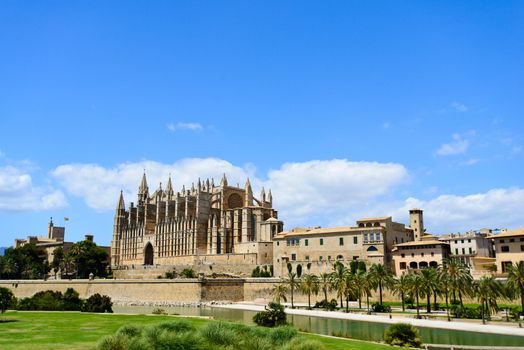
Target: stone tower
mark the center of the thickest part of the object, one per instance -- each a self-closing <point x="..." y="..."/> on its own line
<point x="416" y="222"/>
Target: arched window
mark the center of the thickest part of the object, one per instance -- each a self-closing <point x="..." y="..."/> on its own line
<point x="413" y="265"/>
<point x="372" y="249"/>
<point x="433" y="264"/>
<point x="423" y="264"/>
<point x="340" y="257"/>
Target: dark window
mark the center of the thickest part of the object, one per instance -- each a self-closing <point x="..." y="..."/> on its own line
<point x="341" y="241"/>
<point x="402" y="265"/>
<point x="470" y="250"/>
<point x="329" y="257"/>
<point x="504" y="248"/>
<point x="501" y="241"/>
<point x="463" y="250"/>
<point x="413" y="255"/>
<point x="402" y="255"/>
<point x="511" y="240"/>
<point x="469" y="240"/>
<point x="306" y="243"/>
<point x="307" y="257"/>
<point x="461" y="241"/>
<point x="456" y="251"/>
<point x="293" y="257"/>
<point x="432" y="254"/>
<point x="278" y="243"/>
<point x="355" y="240"/>
<point x="522" y="247"/>
<point x="322" y="241"/>
<point x="320" y="258"/>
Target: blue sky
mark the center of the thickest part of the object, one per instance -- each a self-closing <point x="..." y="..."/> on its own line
<point x="345" y="109"/>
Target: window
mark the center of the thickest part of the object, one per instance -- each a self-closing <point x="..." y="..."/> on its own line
<point x="372" y="249"/>
<point x="470" y="250"/>
<point x="340" y="257"/>
<point x="306" y="243"/>
<point x="278" y="243"/>
<point x="355" y="257"/>
<point x="461" y="241"/>
<point x="402" y="255"/>
<point x="421" y="254"/>
<point x="293" y="257"/>
<point x="456" y="251"/>
<point x="329" y="257"/>
<point x="288" y="242"/>
<point x="355" y="240"/>
<point x="502" y="241"/>
<point x="378" y="236"/>
<point x="402" y="265"/>
<point x="432" y="254"/>
<point x="412" y="255"/>
<point x="522" y="239"/>
<point x="371" y="236"/>
<point x="320" y="258"/>
<point x="522" y="247"/>
<point x="341" y="241"/>
<point x="463" y="251"/>
<point x="511" y="240"/>
<point x="504" y="249"/>
<point x="307" y="258"/>
<point x="469" y="240"/>
<point x="365" y="237"/>
<point x="322" y="241"/>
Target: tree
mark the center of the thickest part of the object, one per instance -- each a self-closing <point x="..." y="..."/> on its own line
<point x="309" y="285"/>
<point x="89" y="258"/>
<point x="402" y="334"/>
<point x="431" y="284"/>
<point x="338" y="275"/>
<point x="359" y="283"/>
<point x="324" y="283"/>
<point x="516" y="280"/>
<point x="67" y="265"/>
<point x="279" y="292"/>
<point x="417" y="288"/>
<point x="368" y="285"/>
<point x="487" y="290"/>
<point x="25" y="262"/>
<point x="382" y="276"/>
<point x="349" y="287"/>
<point x="7" y="299"/>
<point x="460" y="278"/>
<point x="292" y="282"/>
<point x="445" y="287"/>
<point x="58" y="256"/>
<point x="401" y="287"/>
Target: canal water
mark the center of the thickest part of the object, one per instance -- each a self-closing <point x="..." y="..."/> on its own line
<point x="362" y="330"/>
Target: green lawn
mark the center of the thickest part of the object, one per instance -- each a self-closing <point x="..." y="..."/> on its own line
<point x="74" y="330"/>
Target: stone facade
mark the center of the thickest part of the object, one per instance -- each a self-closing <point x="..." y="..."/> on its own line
<point x="421" y="254"/>
<point x="207" y="224"/>
<point x="316" y="249"/>
<point x="509" y="248"/>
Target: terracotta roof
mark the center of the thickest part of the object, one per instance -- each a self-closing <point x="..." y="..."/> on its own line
<point x="325" y="230"/>
<point x="416" y="243"/>
<point x="375" y="219"/>
<point x="512" y="233"/>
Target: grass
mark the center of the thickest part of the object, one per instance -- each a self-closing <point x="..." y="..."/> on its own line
<point x="75" y="331"/>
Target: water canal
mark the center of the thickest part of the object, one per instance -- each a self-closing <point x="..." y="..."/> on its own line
<point x="363" y="330"/>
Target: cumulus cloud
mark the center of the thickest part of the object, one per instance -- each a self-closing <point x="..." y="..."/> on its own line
<point x="18" y="193"/>
<point x="459" y="145"/>
<point x="184" y="126"/>
<point x="99" y="186"/>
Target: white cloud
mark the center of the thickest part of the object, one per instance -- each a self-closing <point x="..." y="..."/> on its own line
<point x="471" y="161"/>
<point x="495" y="208"/>
<point x="184" y="126"/>
<point x="459" y="107"/>
<point x="459" y="145"/>
<point x="18" y="193"/>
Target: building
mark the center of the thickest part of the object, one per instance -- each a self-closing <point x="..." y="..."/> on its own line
<point x="473" y="248"/>
<point x="219" y="225"/>
<point x="316" y="249"/>
<point x="55" y="239"/>
<point x="429" y="251"/>
<point x="509" y="248"/>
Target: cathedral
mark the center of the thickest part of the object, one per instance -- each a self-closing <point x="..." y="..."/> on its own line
<point x="218" y="224"/>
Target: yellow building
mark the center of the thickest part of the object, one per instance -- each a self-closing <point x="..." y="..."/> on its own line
<point x="316" y="249"/>
<point x="416" y="255"/>
<point x="509" y="248"/>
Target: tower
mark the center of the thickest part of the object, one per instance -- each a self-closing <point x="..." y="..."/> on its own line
<point x="118" y="225"/>
<point x="416" y="222"/>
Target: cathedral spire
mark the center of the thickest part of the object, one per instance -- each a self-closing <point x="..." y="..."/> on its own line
<point x="249" y="194"/>
<point x="263" y="196"/>
<point x="270" y="198"/>
<point x="121" y="204"/>
<point x="143" y="189"/>
<point x="223" y="183"/>
<point x="199" y="187"/>
<point x="169" y="187"/>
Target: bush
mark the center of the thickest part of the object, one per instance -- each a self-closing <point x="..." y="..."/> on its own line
<point x="98" y="303"/>
<point x="328" y="305"/>
<point x="466" y="312"/>
<point x="159" y="311"/>
<point x="72" y="301"/>
<point x="48" y="300"/>
<point x="7" y="299"/>
<point x="377" y="307"/>
<point x="188" y="273"/>
<point x="273" y="316"/>
<point x="402" y="334"/>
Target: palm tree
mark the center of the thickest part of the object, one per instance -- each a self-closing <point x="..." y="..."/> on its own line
<point x="368" y="285"/>
<point x="324" y="283"/>
<point x="417" y="287"/>
<point x="349" y="287"/>
<point x="431" y="284"/>
<point x="401" y="287"/>
<point x="382" y="276"/>
<point x="516" y="280"/>
<point x="279" y="292"/>
<point x="309" y="285"/>
<point x="338" y="275"/>
<point x="445" y="287"/>
<point x="292" y="282"/>
<point x="67" y="264"/>
<point x="487" y="290"/>
<point x="459" y="277"/>
<point x="358" y="279"/>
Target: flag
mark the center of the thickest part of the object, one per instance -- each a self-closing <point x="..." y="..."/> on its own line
<point x="66" y="219"/>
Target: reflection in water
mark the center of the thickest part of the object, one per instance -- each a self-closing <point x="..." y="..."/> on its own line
<point x="346" y="328"/>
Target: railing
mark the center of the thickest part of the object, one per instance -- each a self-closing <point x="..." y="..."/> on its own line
<point x="468" y="347"/>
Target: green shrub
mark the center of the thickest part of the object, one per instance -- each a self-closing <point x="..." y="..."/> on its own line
<point x="188" y="273"/>
<point x="159" y="311"/>
<point x="328" y="305"/>
<point x="402" y="334"/>
<point x="7" y="299"/>
<point x="178" y="326"/>
<point x="283" y="334"/>
<point x="303" y="344"/>
<point x="98" y="303"/>
<point x="113" y="342"/>
<point x="377" y="307"/>
<point x="129" y="331"/>
<point x="273" y="316"/>
<point x="219" y="333"/>
<point x="466" y="312"/>
<point x="72" y="301"/>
